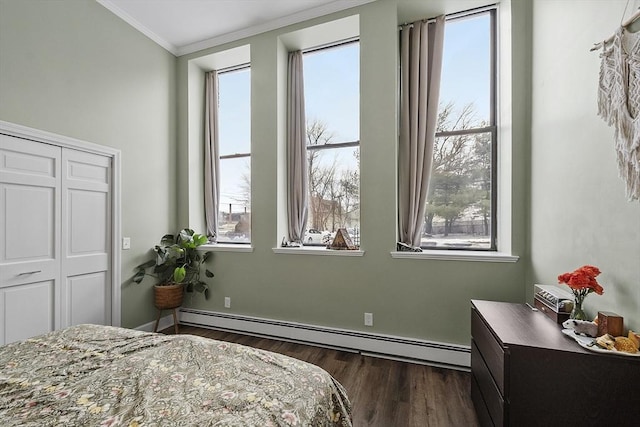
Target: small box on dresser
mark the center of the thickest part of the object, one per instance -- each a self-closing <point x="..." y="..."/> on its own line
<point x="610" y="323"/>
<point x="553" y="301"/>
<point x="555" y="316"/>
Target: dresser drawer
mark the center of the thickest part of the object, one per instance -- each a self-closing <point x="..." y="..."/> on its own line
<point x="491" y="396"/>
<point x="491" y="349"/>
<point x="480" y="406"/>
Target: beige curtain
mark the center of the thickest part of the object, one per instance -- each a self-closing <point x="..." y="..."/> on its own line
<point x="297" y="192"/>
<point x="211" y="155"/>
<point x="421" y="46"/>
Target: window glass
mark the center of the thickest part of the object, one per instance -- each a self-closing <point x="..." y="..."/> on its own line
<point x="466" y="71"/>
<point x="460" y="211"/>
<point x="234" y="142"/>
<point x="332" y="100"/>
<point x="234" y="111"/>
<point x="332" y="90"/>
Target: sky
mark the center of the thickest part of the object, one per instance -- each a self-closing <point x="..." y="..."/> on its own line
<point x="332" y="94"/>
<point x="234" y="136"/>
<point x="332" y="90"/>
<point x="466" y="64"/>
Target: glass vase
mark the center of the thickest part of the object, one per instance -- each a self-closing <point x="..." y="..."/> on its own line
<point x="577" y="312"/>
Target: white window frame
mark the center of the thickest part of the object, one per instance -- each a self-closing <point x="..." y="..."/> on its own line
<point x="232" y="69"/>
<point x="326" y="33"/>
<point x="332" y="145"/>
<point x="503" y="165"/>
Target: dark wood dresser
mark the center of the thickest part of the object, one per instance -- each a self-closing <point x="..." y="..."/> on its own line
<point x="526" y="372"/>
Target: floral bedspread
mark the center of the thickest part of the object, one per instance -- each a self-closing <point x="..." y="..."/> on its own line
<point x="91" y="375"/>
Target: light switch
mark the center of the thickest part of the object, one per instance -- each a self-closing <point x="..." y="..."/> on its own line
<point x="126" y="243"/>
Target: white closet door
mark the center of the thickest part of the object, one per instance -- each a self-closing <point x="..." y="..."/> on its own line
<point x="29" y="238"/>
<point x="86" y="243"/>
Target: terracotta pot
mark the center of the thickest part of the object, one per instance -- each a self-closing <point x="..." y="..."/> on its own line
<point x="168" y="296"/>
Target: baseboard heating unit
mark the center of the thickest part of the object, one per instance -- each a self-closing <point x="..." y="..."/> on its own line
<point x="378" y="345"/>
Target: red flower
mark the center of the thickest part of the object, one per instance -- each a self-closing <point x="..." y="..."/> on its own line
<point x="583" y="280"/>
<point x="590" y="270"/>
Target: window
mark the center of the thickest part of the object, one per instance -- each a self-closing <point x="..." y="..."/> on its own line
<point x="332" y="107"/>
<point x="461" y="204"/>
<point x="234" y="143"/>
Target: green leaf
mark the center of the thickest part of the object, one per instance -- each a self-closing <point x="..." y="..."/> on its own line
<point x="179" y="274"/>
<point x="202" y="288"/>
<point x="163" y="268"/>
<point x="175" y="251"/>
<point x="162" y="255"/>
<point x="208" y="273"/>
<point x="185" y="238"/>
<point x="199" y="239"/>
<point x="139" y="276"/>
<point x="167" y="240"/>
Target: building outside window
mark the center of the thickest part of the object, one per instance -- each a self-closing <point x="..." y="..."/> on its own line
<point x="234" y="124"/>
<point x="461" y="204"/>
<point x="332" y="106"/>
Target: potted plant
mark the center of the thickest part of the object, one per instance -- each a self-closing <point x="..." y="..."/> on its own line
<point x="177" y="266"/>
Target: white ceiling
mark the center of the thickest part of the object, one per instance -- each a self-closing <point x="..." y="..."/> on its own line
<point x="185" y="26"/>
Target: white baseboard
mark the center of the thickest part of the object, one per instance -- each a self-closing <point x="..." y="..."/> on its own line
<point x="427" y="352"/>
<point x="165" y="322"/>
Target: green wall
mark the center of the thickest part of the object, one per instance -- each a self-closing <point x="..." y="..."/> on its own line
<point x="413" y="298"/>
<point x="579" y="214"/>
<point x="75" y="69"/>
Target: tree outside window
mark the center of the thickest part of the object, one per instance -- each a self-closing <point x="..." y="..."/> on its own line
<point x="331" y="84"/>
<point x="461" y="211"/>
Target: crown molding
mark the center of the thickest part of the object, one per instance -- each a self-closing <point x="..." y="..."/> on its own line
<point x="305" y="15"/>
<point x="138" y="26"/>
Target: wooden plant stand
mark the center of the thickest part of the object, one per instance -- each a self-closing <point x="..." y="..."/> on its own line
<point x="168" y="297"/>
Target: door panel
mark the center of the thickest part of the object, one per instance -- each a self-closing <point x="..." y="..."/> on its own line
<point x="27" y="161"/>
<point x="86" y="258"/>
<point x="82" y="167"/>
<point x="88" y="222"/>
<point x="88" y="297"/>
<point x="26" y="310"/>
<point x="29" y="233"/>
<point x="34" y="209"/>
<point x="29" y="237"/>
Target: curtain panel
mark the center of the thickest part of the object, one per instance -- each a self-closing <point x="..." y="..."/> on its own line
<point x="297" y="179"/>
<point x="211" y="156"/>
<point x="421" y="46"/>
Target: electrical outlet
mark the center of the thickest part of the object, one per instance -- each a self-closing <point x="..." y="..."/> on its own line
<point x="368" y="319"/>
<point x="126" y="243"/>
<point x="227" y="302"/>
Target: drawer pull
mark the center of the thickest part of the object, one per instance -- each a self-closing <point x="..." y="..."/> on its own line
<point x="30" y="272"/>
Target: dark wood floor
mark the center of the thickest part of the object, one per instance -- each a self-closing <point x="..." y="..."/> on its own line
<point x="383" y="392"/>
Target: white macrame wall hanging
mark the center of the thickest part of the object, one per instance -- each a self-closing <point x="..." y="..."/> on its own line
<point x="619" y="99"/>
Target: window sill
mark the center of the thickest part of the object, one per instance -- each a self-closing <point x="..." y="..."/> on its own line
<point x="226" y="247"/>
<point x="457" y="256"/>
<point x="317" y="251"/>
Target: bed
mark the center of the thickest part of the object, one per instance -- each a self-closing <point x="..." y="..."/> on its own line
<point x="90" y="375"/>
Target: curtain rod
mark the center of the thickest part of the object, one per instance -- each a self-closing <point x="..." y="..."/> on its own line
<point x="331" y="45"/>
<point x="234" y="68"/>
<point x="456" y="15"/>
